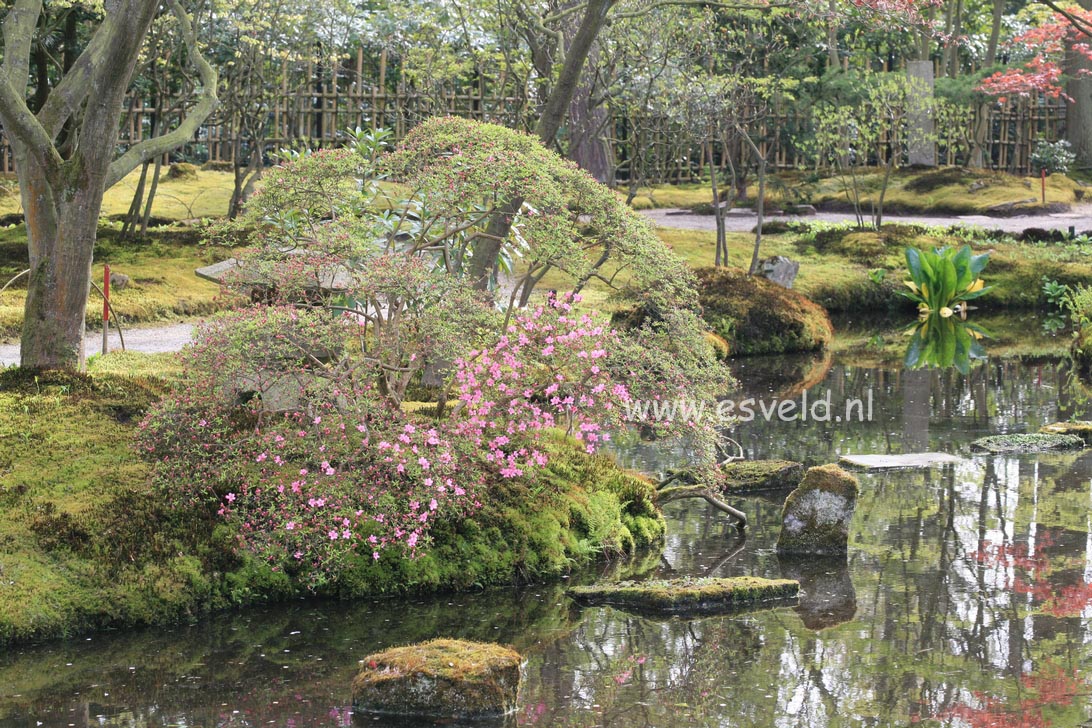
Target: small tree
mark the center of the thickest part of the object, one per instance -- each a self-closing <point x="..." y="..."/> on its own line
<point x="62" y="179"/>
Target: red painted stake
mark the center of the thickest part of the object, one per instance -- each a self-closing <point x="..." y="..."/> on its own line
<point x="105" y="306"/>
<point x="1043" y="178"/>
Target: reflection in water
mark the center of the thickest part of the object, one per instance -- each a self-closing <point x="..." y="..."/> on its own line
<point x="944" y="343"/>
<point x="965" y="601"/>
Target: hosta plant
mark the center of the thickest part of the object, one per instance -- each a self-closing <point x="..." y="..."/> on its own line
<point x="944" y="280"/>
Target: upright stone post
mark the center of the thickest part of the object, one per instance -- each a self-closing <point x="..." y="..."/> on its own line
<point x="921" y="137"/>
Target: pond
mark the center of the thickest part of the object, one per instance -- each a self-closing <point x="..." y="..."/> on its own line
<point x="966" y="600"/>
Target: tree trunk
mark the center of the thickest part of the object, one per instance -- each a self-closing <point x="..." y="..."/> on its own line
<point x="586" y="144"/>
<point x="1078" y="117"/>
<point x="487" y="250"/>
<point x="61" y="228"/>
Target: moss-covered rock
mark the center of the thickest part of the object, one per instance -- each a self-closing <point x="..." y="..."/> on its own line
<point x="689" y="596"/>
<point x="756" y="316"/>
<point x="439" y="679"/>
<point x="815" y="520"/>
<point x="743" y="477"/>
<point x="1027" y="442"/>
<point x="1082" y="429"/>
<point x="182" y="170"/>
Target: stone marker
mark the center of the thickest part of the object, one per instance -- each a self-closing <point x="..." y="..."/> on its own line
<point x="815" y="520"/>
<point x="780" y="270"/>
<point x="447" y="679"/>
<point x="907" y="460"/>
<point x="119" y="281"/>
<point x="1082" y="430"/>
<point x="921" y="147"/>
<point x="1026" y="443"/>
<point x="689" y="596"/>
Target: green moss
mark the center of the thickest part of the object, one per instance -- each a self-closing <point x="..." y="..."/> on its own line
<point x="441" y="679"/>
<point x="1026" y="443"/>
<point x="688" y="596"/>
<point x="816" y="516"/>
<point x="163" y="286"/>
<point x="579" y="507"/>
<point x="85" y="542"/>
<point x="1081" y="429"/>
<point x="758" y="476"/>
<point x="756" y="316"/>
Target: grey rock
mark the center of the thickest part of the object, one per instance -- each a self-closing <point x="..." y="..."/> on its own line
<point x="780" y="270"/>
<point x="815" y="520"/>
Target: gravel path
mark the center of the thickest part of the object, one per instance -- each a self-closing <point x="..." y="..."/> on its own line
<point x="148" y="340"/>
<point x="742" y="220"/>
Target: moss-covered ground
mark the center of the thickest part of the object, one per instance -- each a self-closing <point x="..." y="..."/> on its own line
<point x="835" y="263"/>
<point x="945" y="191"/>
<point x="85" y="542"/>
<point x="162" y="284"/>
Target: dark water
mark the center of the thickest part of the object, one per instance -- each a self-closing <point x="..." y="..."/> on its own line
<point x="966" y="599"/>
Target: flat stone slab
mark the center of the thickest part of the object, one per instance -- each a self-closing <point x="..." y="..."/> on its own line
<point x="688" y="596"/>
<point x="444" y="679"/>
<point x="1027" y="443"/>
<point x="330" y="278"/>
<point x="907" y="460"/>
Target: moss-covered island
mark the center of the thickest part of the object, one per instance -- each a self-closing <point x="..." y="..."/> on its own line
<point x="439" y="679"/>
<point x="690" y="596"/>
<point x="88" y="543"/>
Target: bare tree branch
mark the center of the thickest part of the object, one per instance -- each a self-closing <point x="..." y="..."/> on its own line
<point x="206" y="104"/>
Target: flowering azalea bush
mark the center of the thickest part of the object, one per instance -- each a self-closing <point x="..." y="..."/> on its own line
<point x="301" y="454"/>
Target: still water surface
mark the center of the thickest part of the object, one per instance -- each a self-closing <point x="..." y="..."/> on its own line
<point x="966" y="599"/>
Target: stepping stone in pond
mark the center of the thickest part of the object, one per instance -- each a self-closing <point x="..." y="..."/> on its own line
<point x="688" y="597"/>
<point x="1082" y="430"/>
<point x="907" y="460"/>
<point x="444" y="679"/>
<point x="1026" y="443"/>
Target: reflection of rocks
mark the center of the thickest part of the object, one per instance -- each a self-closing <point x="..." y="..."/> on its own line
<point x="441" y="678"/>
<point x="816" y="516"/>
<point x="827" y="597"/>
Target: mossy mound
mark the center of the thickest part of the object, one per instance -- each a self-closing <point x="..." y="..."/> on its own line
<point x="688" y="596"/>
<point x="743" y="477"/>
<point x="756" y="316"/>
<point x="1082" y="429"/>
<point x="182" y="170"/>
<point x="1027" y="443"/>
<point x="439" y="679"/>
<point x="815" y="520"/>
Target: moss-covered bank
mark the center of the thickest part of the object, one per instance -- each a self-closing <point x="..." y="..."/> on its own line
<point x="756" y="316"/>
<point x="85" y="543"/>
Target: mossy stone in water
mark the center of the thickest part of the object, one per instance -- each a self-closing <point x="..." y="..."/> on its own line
<point x="439" y="679"/>
<point x="688" y="596"/>
<point x="815" y="520"/>
<point x="1024" y="443"/>
<point x="758" y="476"/>
<point x="1081" y="429"/>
